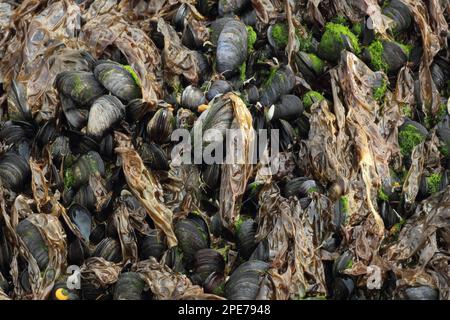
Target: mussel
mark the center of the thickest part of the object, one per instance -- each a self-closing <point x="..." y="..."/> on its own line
<point x="246" y="238"/>
<point x="400" y="14"/>
<point x="282" y="83"/>
<point x="161" y="125"/>
<point x="105" y="112"/>
<point x="192" y="98"/>
<point x="33" y="240"/>
<point x="129" y="286"/>
<point x="244" y="282"/>
<point x="88" y="164"/>
<point x="14" y="171"/>
<point x="206" y="262"/>
<point x="218" y="87"/>
<point x="80" y="86"/>
<point x="120" y="80"/>
<point x="231" y="48"/>
<point x="152" y="245"/>
<point x="336" y="38"/>
<point x="108" y="249"/>
<point x="290" y="107"/>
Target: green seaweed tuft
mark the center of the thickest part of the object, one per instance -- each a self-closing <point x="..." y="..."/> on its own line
<point x="344" y="204"/>
<point x="380" y="91"/>
<point x="407" y="110"/>
<point x="242" y="71"/>
<point x="133" y="74"/>
<point x="311" y="97"/>
<point x="376" y="56"/>
<point x="333" y="37"/>
<point x="280" y="34"/>
<point x="433" y="183"/>
<point x="317" y="63"/>
<point x="382" y="195"/>
<point x="408" y="138"/>
<point x="69" y="178"/>
<point x="251" y="38"/>
<point x="357" y="29"/>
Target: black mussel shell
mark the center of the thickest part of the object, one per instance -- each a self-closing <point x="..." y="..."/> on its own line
<point x="82" y="218"/>
<point x="231" y="6"/>
<point x="152" y="245"/>
<point x="46" y="134"/>
<point x="77" y="252"/>
<point x="80" y="86"/>
<point x="75" y="116"/>
<point x="192" y="98"/>
<point x="211" y="176"/>
<point x="161" y="126"/>
<point x="244" y="282"/>
<point x="88" y="164"/>
<point x="180" y="18"/>
<point x="343" y="288"/>
<point x="309" y="65"/>
<point x="261" y="251"/>
<point x="250" y="17"/>
<point x="97" y="234"/>
<point x="105" y="112"/>
<point x="231" y="48"/>
<point x="290" y="107"/>
<point x="217" y="27"/>
<point x="81" y="143"/>
<point x="193" y="235"/>
<point x="33" y="240"/>
<point x="14" y="132"/>
<point x="342" y="262"/>
<point x="5" y="252"/>
<point x="191" y="37"/>
<point x="214" y="283"/>
<point x="245" y="238"/>
<point x="216" y="225"/>
<point x="282" y="83"/>
<point x="153" y="156"/>
<point x="108" y="249"/>
<point x="173" y="258"/>
<point x="14" y="171"/>
<point x="421" y="293"/>
<point x="136" y="109"/>
<point x="440" y="72"/>
<point x="218" y="87"/>
<point x="252" y="94"/>
<point x="107" y="147"/>
<point x="207" y="261"/>
<point x="118" y="80"/>
<point x="400" y="13"/>
<point x="18" y="107"/>
<point x="129" y="286"/>
<point x="394" y="55"/>
<point x="204" y="66"/>
<point x="207" y="7"/>
<point x="300" y="187"/>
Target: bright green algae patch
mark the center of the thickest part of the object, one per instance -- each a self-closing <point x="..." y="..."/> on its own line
<point x="317" y="63"/>
<point x="333" y="36"/>
<point x="280" y="34"/>
<point x="311" y="97"/>
<point x="408" y="138"/>
<point x="133" y="74"/>
<point x="251" y="38"/>
<point x="376" y="56"/>
<point x="242" y="71"/>
<point x="380" y="91"/>
<point x="433" y="183"/>
<point x="382" y="195"/>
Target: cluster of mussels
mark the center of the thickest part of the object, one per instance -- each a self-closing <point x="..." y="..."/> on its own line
<point x="73" y="195"/>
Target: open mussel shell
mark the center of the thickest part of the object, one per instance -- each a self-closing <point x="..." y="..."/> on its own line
<point x="399" y="13"/>
<point x="218" y="87"/>
<point x="88" y="164"/>
<point x="244" y="282"/>
<point x="206" y="262"/>
<point x="152" y="245"/>
<point x="246" y="238"/>
<point x="310" y="65"/>
<point x="14" y="171"/>
<point x="118" y="79"/>
<point x="192" y="98"/>
<point x="82" y="218"/>
<point x="129" y="286"/>
<point x="282" y="83"/>
<point x="33" y="240"/>
<point x="161" y="126"/>
<point x="80" y="86"/>
<point x="290" y="107"/>
<point x="231" y="48"/>
<point x="105" y="112"/>
<point x="388" y="214"/>
<point x="108" y="249"/>
<point x="192" y="234"/>
<point x="153" y="156"/>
